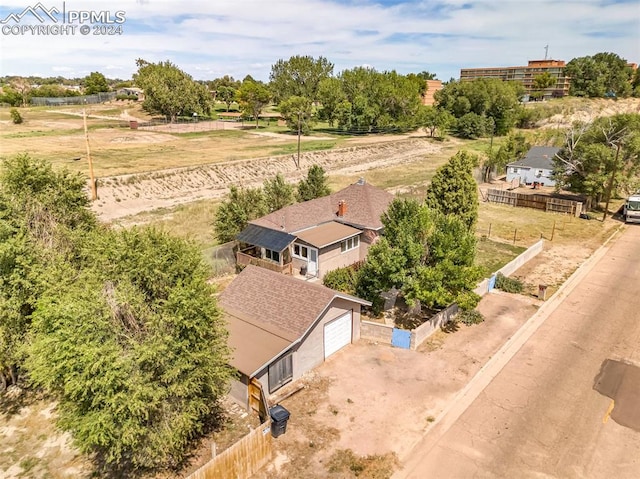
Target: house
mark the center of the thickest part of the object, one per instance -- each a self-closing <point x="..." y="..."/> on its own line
<point x="316" y="236"/>
<point x="536" y="166"/>
<point x="281" y="327"/>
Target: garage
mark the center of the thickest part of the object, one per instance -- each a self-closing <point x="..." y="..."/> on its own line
<point x="337" y="334"/>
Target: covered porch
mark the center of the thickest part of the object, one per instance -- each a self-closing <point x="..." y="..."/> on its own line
<point x="266" y="248"/>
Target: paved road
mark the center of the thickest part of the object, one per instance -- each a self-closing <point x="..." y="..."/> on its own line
<point x="540" y="416"/>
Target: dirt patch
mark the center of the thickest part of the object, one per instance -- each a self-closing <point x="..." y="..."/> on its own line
<point x="377" y="401"/>
<point x="31" y="445"/>
<point x="130" y="194"/>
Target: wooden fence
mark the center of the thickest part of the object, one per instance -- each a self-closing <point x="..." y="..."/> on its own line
<point x="540" y="202"/>
<point x="242" y="460"/>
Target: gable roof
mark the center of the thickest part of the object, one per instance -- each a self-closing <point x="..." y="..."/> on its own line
<point x="540" y="157"/>
<point x="268" y="312"/>
<point x="278" y="303"/>
<point x="365" y="204"/>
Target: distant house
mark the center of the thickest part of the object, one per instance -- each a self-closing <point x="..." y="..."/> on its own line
<point x="132" y="91"/>
<point x="281" y="327"/>
<point x="536" y="166"/>
<point x="316" y="236"/>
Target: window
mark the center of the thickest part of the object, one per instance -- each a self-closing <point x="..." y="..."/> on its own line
<point x="280" y="372"/>
<point x="272" y="255"/>
<point x="300" y="251"/>
<point x="514" y="170"/>
<point x="539" y="173"/>
<point x="349" y="244"/>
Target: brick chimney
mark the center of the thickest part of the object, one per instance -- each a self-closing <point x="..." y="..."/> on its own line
<point x="342" y="208"/>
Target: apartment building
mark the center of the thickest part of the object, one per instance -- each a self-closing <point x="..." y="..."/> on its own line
<point x="525" y="75"/>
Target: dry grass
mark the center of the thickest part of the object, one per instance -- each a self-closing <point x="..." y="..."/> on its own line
<point x="528" y="225"/>
<point x="191" y="221"/>
<point x="31" y="446"/>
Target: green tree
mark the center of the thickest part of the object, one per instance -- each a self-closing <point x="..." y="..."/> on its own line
<point x="484" y="97"/>
<point x="170" y="91"/>
<point x="453" y="190"/>
<point x="330" y="95"/>
<point x="252" y="97"/>
<point x="241" y="206"/>
<point x="599" y="157"/>
<point x="434" y="120"/>
<point x="297" y="112"/>
<point x="315" y="185"/>
<point x="128" y="337"/>
<point x="513" y="149"/>
<point x="227" y="95"/>
<point x="95" y="82"/>
<point x="277" y="193"/>
<point x="599" y="75"/>
<point x="428" y="256"/>
<point x="541" y="82"/>
<point x="37" y="205"/>
<point x="16" y="117"/>
<point x="299" y="76"/>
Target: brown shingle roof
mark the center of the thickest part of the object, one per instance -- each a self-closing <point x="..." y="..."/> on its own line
<point x="277" y="302"/>
<point x="252" y="346"/>
<point x="326" y="234"/>
<point x="365" y="204"/>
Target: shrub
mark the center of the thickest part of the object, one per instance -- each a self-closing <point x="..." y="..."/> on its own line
<point x="16" y="117"/>
<point x="510" y="285"/>
<point x="470" y="317"/>
<point x="342" y="279"/>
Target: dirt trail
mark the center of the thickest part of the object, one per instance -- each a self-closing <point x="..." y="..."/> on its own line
<point x="125" y="195"/>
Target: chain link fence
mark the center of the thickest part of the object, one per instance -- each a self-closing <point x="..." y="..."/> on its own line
<point x="73" y="100"/>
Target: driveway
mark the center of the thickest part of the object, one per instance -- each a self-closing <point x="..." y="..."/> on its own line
<point x="376" y="400"/>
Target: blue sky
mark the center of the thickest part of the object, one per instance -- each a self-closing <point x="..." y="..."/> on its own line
<point x="212" y="38"/>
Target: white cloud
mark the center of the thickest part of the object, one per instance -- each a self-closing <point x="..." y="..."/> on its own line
<point x="210" y="39"/>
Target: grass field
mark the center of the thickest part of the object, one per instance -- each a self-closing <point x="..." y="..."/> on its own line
<point x="117" y="149"/>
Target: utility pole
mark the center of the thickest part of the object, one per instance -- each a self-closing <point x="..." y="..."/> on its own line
<point x="94" y="188"/>
<point x="299" y="127"/>
<point x="611" y="179"/>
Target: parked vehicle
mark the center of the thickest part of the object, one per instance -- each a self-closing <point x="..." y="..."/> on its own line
<point x="631" y="210"/>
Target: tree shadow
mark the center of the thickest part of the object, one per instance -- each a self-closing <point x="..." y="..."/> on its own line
<point x="450" y="327"/>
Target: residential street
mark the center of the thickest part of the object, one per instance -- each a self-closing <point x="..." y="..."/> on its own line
<point x="540" y="415"/>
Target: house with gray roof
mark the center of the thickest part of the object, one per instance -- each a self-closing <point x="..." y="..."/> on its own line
<point x="309" y="239"/>
<point x="281" y="327"/>
<point x="536" y="166"/>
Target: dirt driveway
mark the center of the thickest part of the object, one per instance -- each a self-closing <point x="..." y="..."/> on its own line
<point x="376" y="400"/>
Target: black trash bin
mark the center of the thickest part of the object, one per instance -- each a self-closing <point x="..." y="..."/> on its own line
<point x="279" y="417"/>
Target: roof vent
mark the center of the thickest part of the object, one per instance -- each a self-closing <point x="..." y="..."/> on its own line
<point x="361" y="181"/>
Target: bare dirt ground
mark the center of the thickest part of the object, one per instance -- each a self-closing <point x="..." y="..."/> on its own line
<point x="588" y="111"/>
<point x="125" y="195"/>
<point x="377" y="401"/>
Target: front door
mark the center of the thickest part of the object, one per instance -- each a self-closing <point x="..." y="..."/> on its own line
<point x="312" y="266"/>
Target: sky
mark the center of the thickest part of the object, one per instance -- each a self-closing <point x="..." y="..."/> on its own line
<point x="210" y="39"/>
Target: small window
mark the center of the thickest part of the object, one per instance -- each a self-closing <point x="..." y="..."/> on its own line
<point x="280" y="372"/>
<point x="514" y="170"/>
<point x="300" y="251"/>
<point x="272" y="255"/>
<point x="539" y="173"/>
<point x="349" y="244"/>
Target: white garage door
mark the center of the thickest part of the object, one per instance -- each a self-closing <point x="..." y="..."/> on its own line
<point x="337" y="334"/>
